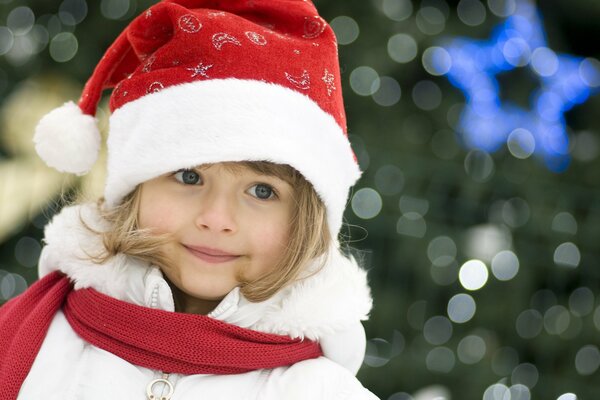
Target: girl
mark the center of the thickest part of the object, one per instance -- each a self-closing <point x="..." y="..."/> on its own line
<point x="211" y="266"/>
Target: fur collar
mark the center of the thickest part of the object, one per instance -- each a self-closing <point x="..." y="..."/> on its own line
<point x="327" y="306"/>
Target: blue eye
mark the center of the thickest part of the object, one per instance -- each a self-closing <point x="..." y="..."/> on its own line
<point x="262" y="191"/>
<point x="187" y="177"/>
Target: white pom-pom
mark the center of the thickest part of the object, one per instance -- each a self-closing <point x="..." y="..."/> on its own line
<point x="68" y="140"/>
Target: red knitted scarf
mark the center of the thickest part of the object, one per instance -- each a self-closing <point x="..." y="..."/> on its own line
<point x="156" y="339"/>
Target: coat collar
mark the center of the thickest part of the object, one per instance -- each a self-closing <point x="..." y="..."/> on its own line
<point x="327" y="306"/>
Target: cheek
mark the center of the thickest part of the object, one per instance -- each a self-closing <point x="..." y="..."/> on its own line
<point x="156" y="216"/>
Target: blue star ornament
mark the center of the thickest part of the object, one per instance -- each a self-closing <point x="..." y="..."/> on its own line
<point x="487" y="122"/>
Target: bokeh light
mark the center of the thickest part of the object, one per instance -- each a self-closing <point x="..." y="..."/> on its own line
<point x="505" y="265"/>
<point x="471" y="12"/>
<point x="461" y="308"/>
<point x="366" y="203"/>
<point x="402" y="48"/>
<point x="473" y="275"/>
<point x="397" y="10"/>
<point x="471" y="349"/>
<point x="346" y="29"/>
<point x="364" y="81"/>
<point x="567" y="255"/>
<point x="587" y="360"/>
<point x="529" y="324"/>
<point x="388" y="91"/>
<point x="430" y="20"/>
<point x="437" y="330"/>
<point x="63" y="47"/>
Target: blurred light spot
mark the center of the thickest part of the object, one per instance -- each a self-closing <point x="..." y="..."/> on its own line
<point x="436" y="60"/>
<point x="441" y="250"/>
<point x="11" y="285"/>
<point x="543" y="299"/>
<point x="567" y="396"/>
<point x="443" y="144"/>
<point x="471" y="349"/>
<point x="7" y="39"/>
<point x="402" y="48"/>
<point x="114" y="9"/>
<point x="529" y="324"/>
<point x="66" y="18"/>
<point x="587" y="360"/>
<point x="346" y="29"/>
<point x="22" y="50"/>
<point x="401" y="396"/>
<point x="54" y="25"/>
<point x="581" y="301"/>
<point x="453" y="114"/>
<point x="389" y="180"/>
<point x="589" y="71"/>
<point x="388" y="92"/>
<point x="409" y="204"/>
<point x="397" y="10"/>
<point x="497" y="391"/>
<point x="427" y="95"/>
<point x="366" y="203"/>
<point x="521" y="143"/>
<point x="544" y="61"/>
<point x="567" y="255"/>
<point x="78" y="9"/>
<point x="27" y="252"/>
<point x="586" y="146"/>
<point x="485" y="241"/>
<point x="479" y="165"/>
<point x="597" y="318"/>
<point x="519" y="392"/>
<point x="20" y="20"/>
<point x="430" y="20"/>
<point x="63" y="47"/>
<point x="437" y="330"/>
<point x="473" y="275"/>
<point x="505" y="359"/>
<point x="416" y="314"/>
<point x="471" y="12"/>
<point x="505" y="265"/>
<point x="502" y="8"/>
<point x="411" y="224"/>
<point x="41" y="37"/>
<point x="362" y="81"/>
<point x="564" y="222"/>
<point x="377" y="353"/>
<point x="461" y="308"/>
<point x="516" y="52"/>
<point x="440" y="359"/>
<point x="525" y="374"/>
<point x="444" y="274"/>
<point x="515" y="212"/>
<point x="556" y="320"/>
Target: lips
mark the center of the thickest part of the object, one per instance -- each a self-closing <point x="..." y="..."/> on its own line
<point x="210" y="255"/>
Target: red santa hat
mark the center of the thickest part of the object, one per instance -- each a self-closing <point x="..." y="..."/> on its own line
<point x="205" y="81"/>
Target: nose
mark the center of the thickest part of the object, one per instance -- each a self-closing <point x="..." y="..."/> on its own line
<point x="216" y="213"/>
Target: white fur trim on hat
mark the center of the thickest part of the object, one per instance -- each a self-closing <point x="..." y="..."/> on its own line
<point x="68" y="140"/>
<point x="230" y="120"/>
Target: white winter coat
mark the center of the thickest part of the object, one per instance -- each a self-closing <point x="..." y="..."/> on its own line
<point x="327" y="307"/>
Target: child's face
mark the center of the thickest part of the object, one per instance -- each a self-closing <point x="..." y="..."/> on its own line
<point x="216" y="210"/>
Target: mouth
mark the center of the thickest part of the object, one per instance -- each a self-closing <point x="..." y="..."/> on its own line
<point x="212" y="256"/>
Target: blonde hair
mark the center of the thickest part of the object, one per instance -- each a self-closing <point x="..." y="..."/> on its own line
<point x="309" y="236"/>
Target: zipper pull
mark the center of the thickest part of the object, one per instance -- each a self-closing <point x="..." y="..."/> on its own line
<point x="165" y="380"/>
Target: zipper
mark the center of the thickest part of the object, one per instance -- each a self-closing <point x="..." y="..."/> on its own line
<point x="166" y="385"/>
<point x="154" y="298"/>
